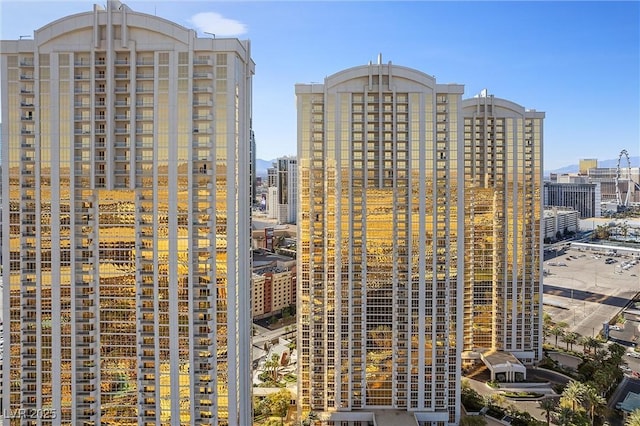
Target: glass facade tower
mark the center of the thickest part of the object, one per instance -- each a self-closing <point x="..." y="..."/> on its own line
<point x="125" y="222"/>
<point x="503" y="244"/>
<point x="380" y="246"/>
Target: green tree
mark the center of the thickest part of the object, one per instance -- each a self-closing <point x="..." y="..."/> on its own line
<point x="279" y="403"/>
<point x="272" y="365"/>
<point x="570" y="339"/>
<point x="617" y="352"/>
<point x="557" y="332"/>
<point x="601" y="232"/>
<point x="593" y="401"/>
<point x="548" y="405"/>
<point x="572" y="395"/>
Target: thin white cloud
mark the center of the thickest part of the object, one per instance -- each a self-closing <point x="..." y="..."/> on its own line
<point x="214" y="23"/>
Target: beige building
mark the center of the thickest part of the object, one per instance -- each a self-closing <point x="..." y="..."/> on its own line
<point x="558" y="220"/>
<point x="126" y="222"/>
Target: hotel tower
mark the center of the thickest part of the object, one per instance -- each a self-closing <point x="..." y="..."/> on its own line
<point x="125" y="222"/>
<point x="380" y="247"/>
<point x="503" y="244"/>
<point x="419" y="242"/>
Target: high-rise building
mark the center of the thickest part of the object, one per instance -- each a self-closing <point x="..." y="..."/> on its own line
<point x="282" y="202"/>
<point x="585" y="164"/>
<point x="581" y="195"/>
<point x="126" y="222"/>
<point x="380" y="247"/>
<point x="503" y="244"/>
<point x="419" y="244"/>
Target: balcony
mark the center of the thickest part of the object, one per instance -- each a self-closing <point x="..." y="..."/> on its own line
<point x="144" y="76"/>
<point x="144" y="62"/>
<point x="122" y="76"/>
<point x="201" y="61"/>
<point x="26" y="77"/>
<point x="26" y="62"/>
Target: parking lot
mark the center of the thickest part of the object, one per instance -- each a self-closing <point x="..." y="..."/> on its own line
<point x="583" y="290"/>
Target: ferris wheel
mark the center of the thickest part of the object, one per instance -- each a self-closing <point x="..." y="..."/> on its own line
<point x="628" y="179"/>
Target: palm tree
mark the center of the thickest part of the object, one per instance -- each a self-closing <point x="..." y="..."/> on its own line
<point x="557" y="331"/>
<point x="605" y="377"/>
<point x="548" y="405"/>
<point x="600" y="355"/>
<point x="593" y="401"/>
<point x="617" y="352"/>
<point x="272" y="365"/>
<point x="565" y="415"/>
<point x="572" y="394"/>
<point x="633" y="419"/>
<point x="591" y="343"/>
<point x="570" y="339"/>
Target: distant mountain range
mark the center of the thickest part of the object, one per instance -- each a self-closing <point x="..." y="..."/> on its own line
<point x="263" y="165"/>
<point x="574" y="168"/>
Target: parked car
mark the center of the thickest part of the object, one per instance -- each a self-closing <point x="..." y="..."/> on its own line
<point x="615" y="328"/>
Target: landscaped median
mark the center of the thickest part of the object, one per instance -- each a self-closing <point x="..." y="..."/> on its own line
<point x="523" y="395"/>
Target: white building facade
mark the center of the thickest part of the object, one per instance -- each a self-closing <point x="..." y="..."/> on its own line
<point x="379" y="241"/>
<point x="282" y="200"/>
<point x="126" y="222"/>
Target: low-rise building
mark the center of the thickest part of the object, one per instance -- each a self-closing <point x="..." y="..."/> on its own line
<point x="557" y="221"/>
<point x="273" y="284"/>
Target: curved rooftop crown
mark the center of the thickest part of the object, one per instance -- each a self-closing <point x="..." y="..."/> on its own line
<point x="118" y="16"/>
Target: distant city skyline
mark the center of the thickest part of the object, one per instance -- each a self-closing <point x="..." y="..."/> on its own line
<point x="577" y="61"/>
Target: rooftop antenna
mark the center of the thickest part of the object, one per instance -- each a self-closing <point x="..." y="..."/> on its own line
<point x="211" y="34"/>
<point x="379" y="58"/>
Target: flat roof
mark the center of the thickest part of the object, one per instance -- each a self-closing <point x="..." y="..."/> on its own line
<point x="498" y="358"/>
<point x="631" y="402"/>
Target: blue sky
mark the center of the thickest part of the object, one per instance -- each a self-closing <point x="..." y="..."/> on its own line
<point x="577" y="61"/>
